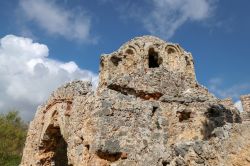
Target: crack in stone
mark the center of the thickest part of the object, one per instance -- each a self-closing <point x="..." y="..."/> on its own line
<point x="137" y="93"/>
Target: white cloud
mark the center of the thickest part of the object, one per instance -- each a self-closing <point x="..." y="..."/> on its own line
<point x="168" y="15"/>
<point x="164" y="17"/>
<point x="235" y="91"/>
<point x="56" y="20"/>
<point x="215" y="85"/>
<point x="238" y="105"/>
<point x="28" y="75"/>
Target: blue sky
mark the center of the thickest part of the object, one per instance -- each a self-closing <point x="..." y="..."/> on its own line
<point x="68" y="37"/>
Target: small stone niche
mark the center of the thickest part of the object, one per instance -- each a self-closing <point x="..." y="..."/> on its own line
<point x="184" y="115"/>
<point x="171" y="51"/>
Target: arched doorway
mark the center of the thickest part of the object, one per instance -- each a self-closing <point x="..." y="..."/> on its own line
<point x="53" y="148"/>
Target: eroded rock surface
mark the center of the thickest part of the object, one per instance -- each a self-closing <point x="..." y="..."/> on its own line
<point x="148" y="110"/>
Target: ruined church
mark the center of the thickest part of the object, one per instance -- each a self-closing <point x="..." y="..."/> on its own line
<point x="148" y="110"/>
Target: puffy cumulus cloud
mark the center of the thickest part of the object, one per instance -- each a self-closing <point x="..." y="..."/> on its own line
<point x="28" y="75"/>
<point x="71" y="24"/>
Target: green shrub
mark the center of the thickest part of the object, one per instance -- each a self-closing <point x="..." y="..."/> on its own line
<point x="12" y="137"/>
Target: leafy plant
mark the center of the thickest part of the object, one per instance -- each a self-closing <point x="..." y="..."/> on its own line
<point x="12" y="137"/>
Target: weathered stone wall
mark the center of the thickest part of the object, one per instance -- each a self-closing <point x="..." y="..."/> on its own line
<point x="147" y="110"/>
<point x="227" y="102"/>
<point x="134" y="57"/>
<point x="245" y="100"/>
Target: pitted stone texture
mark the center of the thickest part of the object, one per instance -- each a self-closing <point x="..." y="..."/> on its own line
<point x="245" y="100"/>
<point x="133" y="57"/>
<point x="147" y="110"/>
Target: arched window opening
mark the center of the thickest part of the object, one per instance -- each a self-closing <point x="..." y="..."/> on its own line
<point x="53" y="149"/>
<point x="171" y="51"/>
<point x="129" y="51"/>
<point x="154" y="60"/>
<point x="115" y="60"/>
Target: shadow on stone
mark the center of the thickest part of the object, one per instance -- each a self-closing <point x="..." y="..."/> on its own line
<point x="109" y="156"/>
<point x="53" y="149"/>
<point x="218" y="116"/>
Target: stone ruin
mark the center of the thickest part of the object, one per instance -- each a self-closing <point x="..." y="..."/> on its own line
<point x="148" y="110"/>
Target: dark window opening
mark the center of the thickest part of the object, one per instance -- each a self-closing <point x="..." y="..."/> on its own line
<point x="153" y="59"/>
<point x="115" y="60"/>
<point x="53" y="148"/>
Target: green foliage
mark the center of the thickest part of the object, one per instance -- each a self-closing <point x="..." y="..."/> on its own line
<point x="12" y="137"/>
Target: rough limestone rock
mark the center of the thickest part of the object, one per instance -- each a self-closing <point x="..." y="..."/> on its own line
<point x="148" y="110"/>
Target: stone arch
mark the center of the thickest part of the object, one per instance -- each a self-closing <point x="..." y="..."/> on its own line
<point x="174" y="59"/>
<point x="131" y="55"/>
<point x="171" y="48"/>
<point x="131" y="50"/>
<point x="53" y="147"/>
